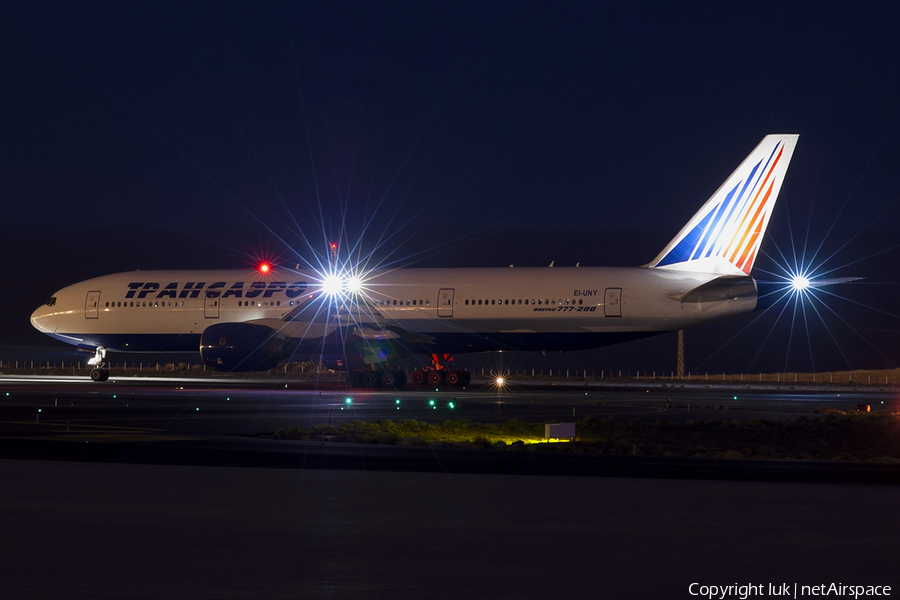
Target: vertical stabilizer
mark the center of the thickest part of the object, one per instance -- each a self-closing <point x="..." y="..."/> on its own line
<point x="725" y="234"/>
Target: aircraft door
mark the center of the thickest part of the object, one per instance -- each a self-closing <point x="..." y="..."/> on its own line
<point x="445" y="303"/>
<point x="612" y="302"/>
<point x="92" y="305"/>
<point x="211" y="308"/>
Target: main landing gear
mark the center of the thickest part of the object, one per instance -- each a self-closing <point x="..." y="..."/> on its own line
<point x="99" y="372"/>
<point x="377" y="379"/>
<point x="440" y="374"/>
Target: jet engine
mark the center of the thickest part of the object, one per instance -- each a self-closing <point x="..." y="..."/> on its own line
<point x="240" y="347"/>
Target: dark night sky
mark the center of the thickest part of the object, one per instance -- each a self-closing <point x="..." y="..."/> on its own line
<point x="198" y="135"/>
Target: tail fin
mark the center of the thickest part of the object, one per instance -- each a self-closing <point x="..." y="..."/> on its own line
<point x="725" y="234"/>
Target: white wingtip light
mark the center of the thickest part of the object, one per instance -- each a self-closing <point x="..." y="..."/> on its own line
<point x="799" y="283"/>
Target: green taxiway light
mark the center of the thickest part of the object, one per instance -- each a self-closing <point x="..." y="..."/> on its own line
<point x="451" y="405"/>
<point x="198" y="408"/>
<point x="431" y="402"/>
<point x="348" y="400"/>
<point x="397" y="401"/>
<point x="735" y="397"/>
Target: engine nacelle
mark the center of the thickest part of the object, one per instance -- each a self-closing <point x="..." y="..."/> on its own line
<point x="240" y="347"/>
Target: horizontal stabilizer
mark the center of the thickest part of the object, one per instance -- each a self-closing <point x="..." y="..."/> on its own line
<point x="817" y="283"/>
<point x="723" y="288"/>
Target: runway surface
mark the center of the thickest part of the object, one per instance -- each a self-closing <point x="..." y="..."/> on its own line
<point x="162" y="488"/>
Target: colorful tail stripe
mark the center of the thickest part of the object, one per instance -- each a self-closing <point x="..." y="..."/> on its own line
<point x="731" y="224"/>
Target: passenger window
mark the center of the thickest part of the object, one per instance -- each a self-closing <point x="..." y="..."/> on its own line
<point x="580" y="301"/>
<point x="414" y="302"/>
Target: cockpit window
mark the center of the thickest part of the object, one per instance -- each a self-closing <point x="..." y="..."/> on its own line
<point x="51" y="301"/>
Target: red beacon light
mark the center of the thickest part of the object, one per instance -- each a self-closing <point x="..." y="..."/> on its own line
<point x="264" y="268"/>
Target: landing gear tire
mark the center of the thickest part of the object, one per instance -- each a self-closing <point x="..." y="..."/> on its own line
<point x="99" y="375"/>
<point x="388" y="380"/>
<point x="419" y="377"/>
<point x="354" y="379"/>
<point x="371" y="379"/>
<point x="436" y="377"/>
<point x="453" y="378"/>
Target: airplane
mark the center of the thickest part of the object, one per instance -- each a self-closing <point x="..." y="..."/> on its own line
<point x="361" y="322"/>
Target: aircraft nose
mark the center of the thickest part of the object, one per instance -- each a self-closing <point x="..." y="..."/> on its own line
<point x="39" y="319"/>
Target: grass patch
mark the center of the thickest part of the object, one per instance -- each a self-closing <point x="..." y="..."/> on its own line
<point x="835" y="435"/>
<point x="410" y="431"/>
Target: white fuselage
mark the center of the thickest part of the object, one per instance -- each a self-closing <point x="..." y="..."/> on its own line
<point x="429" y="310"/>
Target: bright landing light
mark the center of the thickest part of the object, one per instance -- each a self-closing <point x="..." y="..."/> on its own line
<point x="343" y="284"/>
<point x="332" y="285"/>
<point x="354" y="284"/>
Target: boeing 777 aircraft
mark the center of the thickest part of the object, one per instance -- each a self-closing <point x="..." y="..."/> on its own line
<point x="363" y="321"/>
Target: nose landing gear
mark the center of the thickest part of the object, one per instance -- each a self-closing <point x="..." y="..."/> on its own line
<point x="99" y="372"/>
